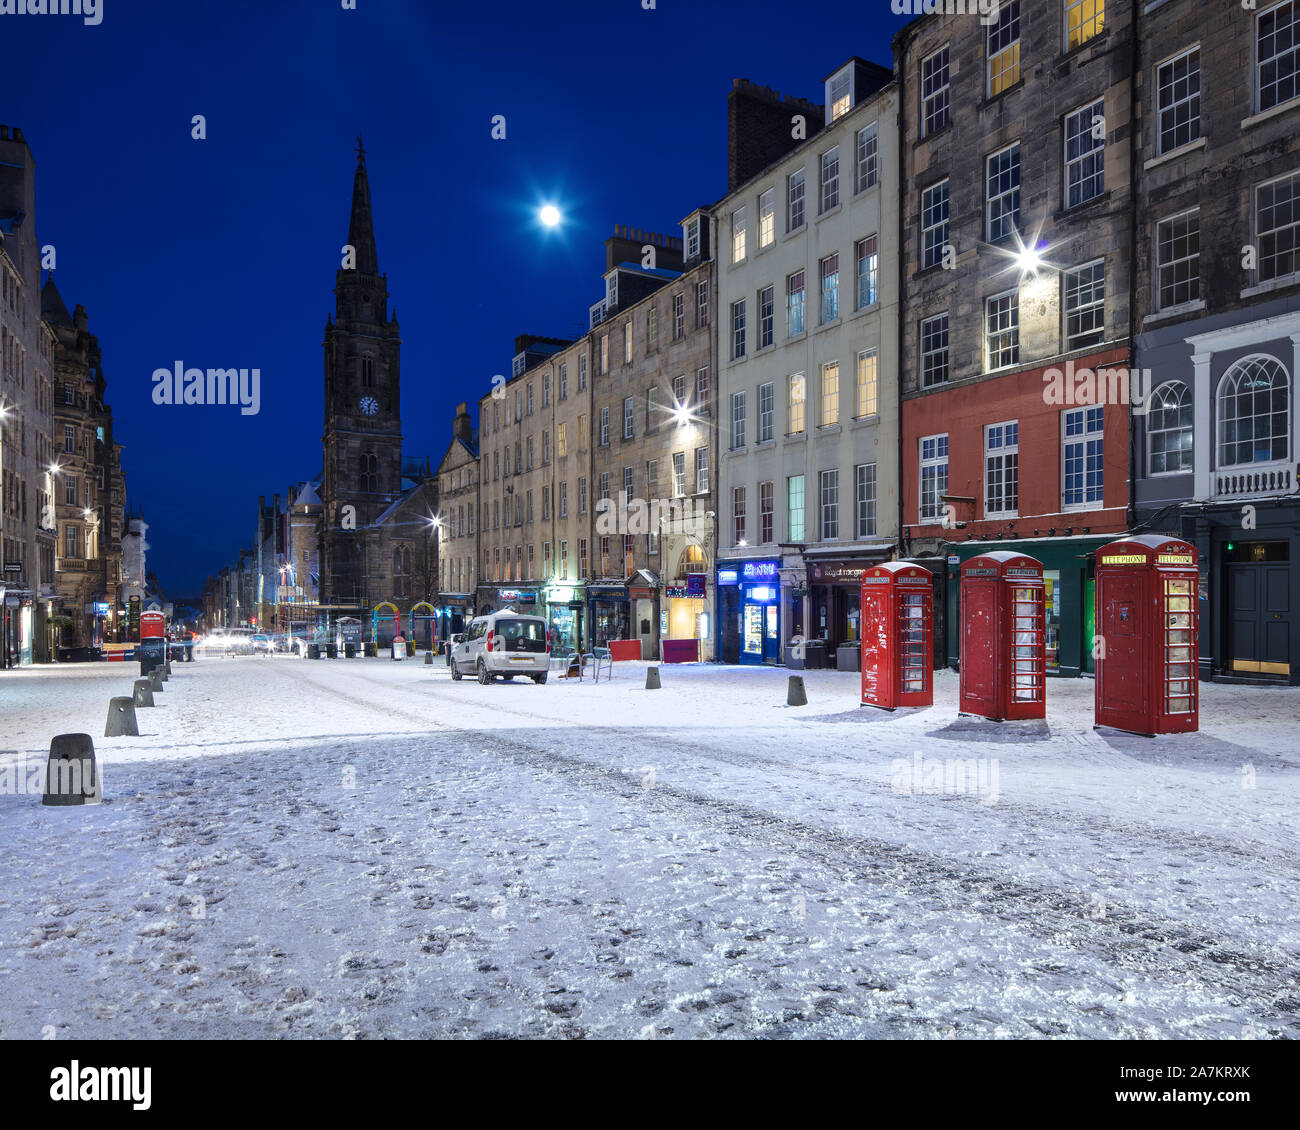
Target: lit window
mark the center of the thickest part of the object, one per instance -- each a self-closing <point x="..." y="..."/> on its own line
<point x="830" y="394"/>
<point x="738" y="235"/>
<point x="1084" y="19"/>
<point x="868" y="384"/>
<point x="1003" y="47"/>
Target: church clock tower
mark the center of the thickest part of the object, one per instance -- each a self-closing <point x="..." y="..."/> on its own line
<point x="362" y="473"/>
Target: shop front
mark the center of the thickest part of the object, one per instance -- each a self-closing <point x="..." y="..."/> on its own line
<point x="749" y="612"/>
<point x="455" y="611"/>
<point x="684" y="619"/>
<point x="1068" y="597"/>
<point x="835" y="598"/>
<point x="611" y="614"/>
<point x="19" y="616"/>
<point x="565" y="611"/>
<point x="521" y="599"/>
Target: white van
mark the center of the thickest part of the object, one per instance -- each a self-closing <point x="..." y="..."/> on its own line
<point x="505" y="644"/>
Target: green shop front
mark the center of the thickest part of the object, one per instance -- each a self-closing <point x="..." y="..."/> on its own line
<point x="1068" y="596"/>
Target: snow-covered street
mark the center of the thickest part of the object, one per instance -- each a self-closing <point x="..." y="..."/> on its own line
<point x="366" y="849"/>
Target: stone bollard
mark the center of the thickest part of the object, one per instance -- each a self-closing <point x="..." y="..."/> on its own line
<point x="143" y="692"/>
<point x="71" y="777"/>
<point x="155" y="680"/>
<point x="796" y="695"/>
<point x="428" y="658"/>
<point x="652" y="679"/>
<point x="121" y="719"/>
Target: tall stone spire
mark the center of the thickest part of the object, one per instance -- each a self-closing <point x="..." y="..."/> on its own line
<point x="361" y="228"/>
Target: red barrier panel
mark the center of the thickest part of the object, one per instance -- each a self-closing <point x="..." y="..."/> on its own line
<point x="624" y="649"/>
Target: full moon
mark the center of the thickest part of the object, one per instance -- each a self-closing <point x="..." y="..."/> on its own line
<point x="550" y="216"/>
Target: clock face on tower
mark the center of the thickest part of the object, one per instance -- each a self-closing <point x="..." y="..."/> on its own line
<point x="369" y="405"/>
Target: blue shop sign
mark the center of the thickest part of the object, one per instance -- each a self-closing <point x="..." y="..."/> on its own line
<point x="754" y="571"/>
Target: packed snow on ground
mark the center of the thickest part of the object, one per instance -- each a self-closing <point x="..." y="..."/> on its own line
<point x="364" y="848"/>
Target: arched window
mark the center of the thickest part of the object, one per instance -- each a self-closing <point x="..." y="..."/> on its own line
<point x="1254" y="409"/>
<point x="692" y="561"/>
<point x="370" y="472"/>
<point x="1169" y="429"/>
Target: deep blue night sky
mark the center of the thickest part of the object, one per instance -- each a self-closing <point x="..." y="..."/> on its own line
<point x="223" y="252"/>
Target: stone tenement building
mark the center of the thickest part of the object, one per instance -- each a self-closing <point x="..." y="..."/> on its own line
<point x="625" y="414"/>
<point x="458" y="512"/>
<point x="654" y="443"/>
<point x="1017" y="206"/>
<point x="89" y="503"/>
<point x="808" y="354"/>
<point x="27" y="522"/>
<point x="1217" y="311"/>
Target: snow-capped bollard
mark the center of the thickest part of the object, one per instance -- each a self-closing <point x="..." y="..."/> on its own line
<point x="121" y="719"/>
<point x="796" y="695"/>
<point x="70" y="775"/>
<point x="155" y="680"/>
<point x="143" y="695"/>
<point x="428" y="658"/>
<point x="652" y="679"/>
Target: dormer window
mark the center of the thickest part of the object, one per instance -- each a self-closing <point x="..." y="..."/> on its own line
<point x="518" y="366"/>
<point x="839" y="93"/>
<point x="692" y="234"/>
<point x="611" y="291"/>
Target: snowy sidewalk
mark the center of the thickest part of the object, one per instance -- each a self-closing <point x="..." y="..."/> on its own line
<point x="365" y="848"/>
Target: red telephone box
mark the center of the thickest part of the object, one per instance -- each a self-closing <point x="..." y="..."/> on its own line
<point x="1003" y="644"/>
<point x="897" y="629"/>
<point x="153" y="625"/>
<point x="1146" y="618"/>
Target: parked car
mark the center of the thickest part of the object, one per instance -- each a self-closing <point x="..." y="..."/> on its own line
<point x="503" y="644"/>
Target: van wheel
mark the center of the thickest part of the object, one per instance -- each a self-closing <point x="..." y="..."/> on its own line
<point x="484" y="675"/>
<point x="540" y="679"/>
<point x="455" y="673"/>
